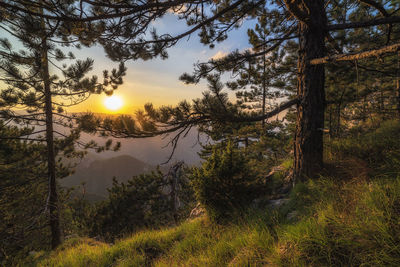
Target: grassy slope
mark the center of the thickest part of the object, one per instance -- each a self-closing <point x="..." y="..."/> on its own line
<point x="349" y="217"/>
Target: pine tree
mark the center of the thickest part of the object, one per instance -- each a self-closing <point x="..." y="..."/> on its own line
<point x="41" y="93"/>
<point x="313" y="23"/>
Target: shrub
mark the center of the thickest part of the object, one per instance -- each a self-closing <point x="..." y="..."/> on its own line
<point x="225" y="184"/>
<point x="142" y="202"/>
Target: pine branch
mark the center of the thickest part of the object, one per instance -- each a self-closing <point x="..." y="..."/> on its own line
<point x="62" y="17"/>
<point x="377" y="6"/>
<point x="384" y="13"/>
<point x="270" y="114"/>
<point x="363" y="24"/>
<point x="357" y="56"/>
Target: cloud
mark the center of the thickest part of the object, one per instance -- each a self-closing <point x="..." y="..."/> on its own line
<point x="219" y="54"/>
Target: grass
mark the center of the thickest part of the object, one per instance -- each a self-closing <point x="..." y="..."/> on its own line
<point x="348" y="217"/>
<point x="351" y="223"/>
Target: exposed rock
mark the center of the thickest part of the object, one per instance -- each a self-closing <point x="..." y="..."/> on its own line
<point x="292" y="215"/>
<point x="277" y="203"/>
<point x="260" y="202"/>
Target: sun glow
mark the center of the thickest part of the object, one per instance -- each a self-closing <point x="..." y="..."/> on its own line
<point x="113" y="103"/>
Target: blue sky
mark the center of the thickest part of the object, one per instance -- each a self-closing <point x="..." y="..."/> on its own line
<point x="157" y="81"/>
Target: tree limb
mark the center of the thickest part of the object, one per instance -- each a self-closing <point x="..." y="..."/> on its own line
<point x="383" y="11"/>
<point x="268" y="115"/>
<point x="293" y="6"/>
<point x="356" y="56"/>
<point x="377" y="6"/>
<point x="362" y="24"/>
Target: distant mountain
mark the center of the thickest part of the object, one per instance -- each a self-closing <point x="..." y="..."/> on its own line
<point x="97" y="173"/>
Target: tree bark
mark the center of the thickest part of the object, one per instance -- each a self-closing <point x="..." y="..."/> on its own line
<point x="338" y="120"/>
<point x="52" y="203"/>
<point x="389" y="49"/>
<point x="398" y="98"/>
<point x="308" y="145"/>
<point x="398" y="83"/>
<point x="264" y="92"/>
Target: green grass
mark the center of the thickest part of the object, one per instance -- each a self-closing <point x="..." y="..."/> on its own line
<point x="352" y="223"/>
<point x="349" y="217"/>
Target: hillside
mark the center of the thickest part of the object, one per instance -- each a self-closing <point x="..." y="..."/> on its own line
<point x="97" y="173"/>
<point x="349" y="216"/>
<point x="316" y="227"/>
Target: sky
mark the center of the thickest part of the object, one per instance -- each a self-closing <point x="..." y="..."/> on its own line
<point x="157" y="81"/>
<point x="154" y="81"/>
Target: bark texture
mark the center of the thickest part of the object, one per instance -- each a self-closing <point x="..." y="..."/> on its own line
<point x="308" y="145"/>
<point x="357" y="56"/>
<point x="52" y="203"/>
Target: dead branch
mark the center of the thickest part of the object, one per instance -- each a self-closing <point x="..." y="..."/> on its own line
<point x="357" y="56"/>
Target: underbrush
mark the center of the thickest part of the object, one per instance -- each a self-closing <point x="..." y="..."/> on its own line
<point x="348" y="223"/>
<point x="347" y="217"/>
<point x="355" y="223"/>
<point x="379" y="147"/>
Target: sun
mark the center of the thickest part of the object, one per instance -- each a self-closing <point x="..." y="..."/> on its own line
<point x="113" y="103"/>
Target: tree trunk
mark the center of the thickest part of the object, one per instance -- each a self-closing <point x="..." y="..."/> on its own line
<point x="308" y="146"/>
<point x="330" y="122"/>
<point x="264" y="93"/>
<point x="398" y="97"/>
<point x="338" y="120"/>
<point x="398" y="83"/>
<point x="52" y="202"/>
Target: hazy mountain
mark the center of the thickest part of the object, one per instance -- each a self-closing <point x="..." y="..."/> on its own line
<point x="154" y="150"/>
<point x="97" y="173"/>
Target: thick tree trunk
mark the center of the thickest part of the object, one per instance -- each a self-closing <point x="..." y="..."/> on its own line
<point x="398" y="98"/>
<point x="52" y="202"/>
<point x="398" y="84"/>
<point x="330" y="123"/>
<point x="308" y="146"/>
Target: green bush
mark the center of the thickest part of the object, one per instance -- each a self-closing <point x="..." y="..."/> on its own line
<point x="225" y="184"/>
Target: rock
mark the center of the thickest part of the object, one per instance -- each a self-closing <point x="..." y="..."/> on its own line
<point x="292" y="215"/>
<point x="277" y="203"/>
<point x="284" y="190"/>
<point x="197" y="211"/>
<point x="259" y="202"/>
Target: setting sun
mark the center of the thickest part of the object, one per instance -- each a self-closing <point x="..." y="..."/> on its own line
<point x="113" y="103"/>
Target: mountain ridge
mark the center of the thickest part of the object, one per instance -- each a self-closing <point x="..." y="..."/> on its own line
<point x="98" y="174"/>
